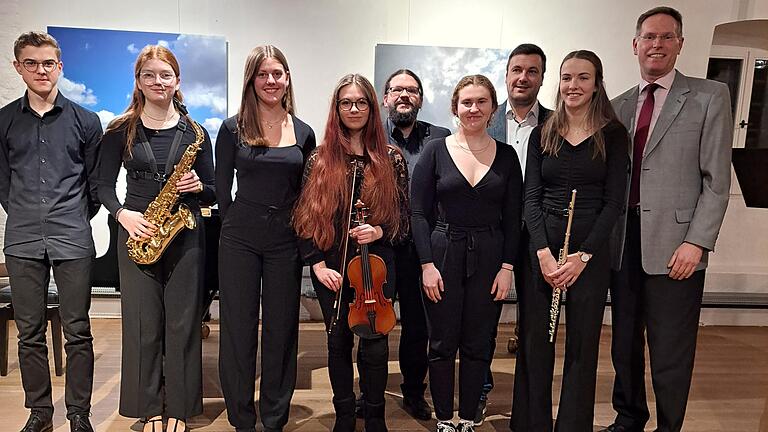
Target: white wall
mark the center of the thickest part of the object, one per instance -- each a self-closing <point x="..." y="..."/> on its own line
<point x="325" y="39"/>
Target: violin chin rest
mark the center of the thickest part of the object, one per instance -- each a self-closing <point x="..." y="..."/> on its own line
<point x="366" y="332"/>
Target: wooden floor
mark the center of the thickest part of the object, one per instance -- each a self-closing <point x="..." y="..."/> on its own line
<point x="728" y="394"/>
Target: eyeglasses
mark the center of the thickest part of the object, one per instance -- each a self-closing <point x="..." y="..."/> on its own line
<point x="32" y="65"/>
<point x="149" y="78"/>
<point x="650" y="37"/>
<point x="413" y="91"/>
<point x="360" y="104"/>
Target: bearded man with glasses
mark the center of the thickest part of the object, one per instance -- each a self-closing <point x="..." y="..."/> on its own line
<point x="403" y="98"/>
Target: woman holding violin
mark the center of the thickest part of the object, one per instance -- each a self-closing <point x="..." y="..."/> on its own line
<point x="466" y="195"/>
<point x="354" y="164"/>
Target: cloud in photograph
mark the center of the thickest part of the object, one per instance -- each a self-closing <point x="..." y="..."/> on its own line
<point x="212" y="125"/>
<point x="132" y="49"/>
<point x="77" y="92"/>
<point x="105" y="117"/>
<point x="203" y="71"/>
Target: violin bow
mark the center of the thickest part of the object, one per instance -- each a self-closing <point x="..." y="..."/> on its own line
<point x="345" y="245"/>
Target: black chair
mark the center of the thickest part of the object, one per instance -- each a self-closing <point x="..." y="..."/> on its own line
<point x="52" y="314"/>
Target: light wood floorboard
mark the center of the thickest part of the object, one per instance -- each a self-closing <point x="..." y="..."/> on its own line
<point x="729" y="389"/>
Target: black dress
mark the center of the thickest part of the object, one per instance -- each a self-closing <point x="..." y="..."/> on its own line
<point x="467" y="232"/>
<point x="259" y="265"/>
<point x="600" y="186"/>
<point x="161" y="303"/>
<point x="372" y="353"/>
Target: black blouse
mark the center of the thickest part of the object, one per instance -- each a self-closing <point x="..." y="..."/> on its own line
<point x="142" y="191"/>
<point x="266" y="176"/>
<point x="600" y="184"/>
<point x="440" y="192"/>
<point x="313" y="255"/>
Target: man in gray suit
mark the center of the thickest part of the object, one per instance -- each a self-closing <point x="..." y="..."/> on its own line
<point x="512" y="123"/>
<point x="678" y="193"/>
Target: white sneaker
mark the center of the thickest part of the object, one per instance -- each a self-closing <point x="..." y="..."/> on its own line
<point x="445" y="426"/>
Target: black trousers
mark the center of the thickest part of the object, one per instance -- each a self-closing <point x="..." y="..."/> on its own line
<point x="161" y="308"/>
<point x="667" y="311"/>
<point x="259" y="266"/>
<point x="523" y="276"/>
<point x="372" y="354"/>
<point x="413" y="321"/>
<point x="464" y="320"/>
<point x="534" y="371"/>
<point x="29" y="279"/>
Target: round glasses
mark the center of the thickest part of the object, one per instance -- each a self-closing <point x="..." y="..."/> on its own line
<point x="360" y="104"/>
<point x="150" y="78"/>
<point x="32" y="65"/>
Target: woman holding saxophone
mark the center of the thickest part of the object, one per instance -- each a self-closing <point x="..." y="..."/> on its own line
<point x="161" y="303"/>
<point x="581" y="146"/>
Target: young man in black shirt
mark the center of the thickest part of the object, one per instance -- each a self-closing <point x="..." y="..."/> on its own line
<point x="403" y="99"/>
<point x="48" y="157"/>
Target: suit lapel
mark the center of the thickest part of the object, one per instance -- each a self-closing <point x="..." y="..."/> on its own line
<point x="672" y="107"/>
<point x="627" y="110"/>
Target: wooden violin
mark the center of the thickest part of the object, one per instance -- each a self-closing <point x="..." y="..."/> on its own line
<point x="371" y="314"/>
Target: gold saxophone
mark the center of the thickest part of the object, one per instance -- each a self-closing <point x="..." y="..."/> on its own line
<point x="554" y="308"/>
<point x="149" y="250"/>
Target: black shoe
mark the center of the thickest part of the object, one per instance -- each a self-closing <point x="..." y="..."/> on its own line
<point x="417" y="407"/>
<point x="345" y="414"/>
<point x="481" y="410"/>
<point x="38" y="422"/>
<point x="374" y="417"/>
<point x="616" y="428"/>
<point x="80" y="423"/>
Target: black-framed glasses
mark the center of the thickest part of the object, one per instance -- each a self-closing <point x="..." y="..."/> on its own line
<point x="32" y="65"/>
<point x="360" y="104"/>
<point x="413" y="91"/>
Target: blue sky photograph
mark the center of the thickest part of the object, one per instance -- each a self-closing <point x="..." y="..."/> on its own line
<point x="440" y="69"/>
<point x="98" y="70"/>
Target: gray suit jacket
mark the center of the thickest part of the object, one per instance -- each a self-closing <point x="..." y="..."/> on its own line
<point x="685" y="175"/>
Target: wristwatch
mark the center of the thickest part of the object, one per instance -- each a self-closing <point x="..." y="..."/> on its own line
<point x="584" y="257"/>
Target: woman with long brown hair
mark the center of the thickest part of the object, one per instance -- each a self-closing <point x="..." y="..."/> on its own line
<point x="354" y="146"/>
<point x="581" y="146"/>
<point x="161" y="303"/>
<point x="466" y="193"/>
<point x="259" y="261"/>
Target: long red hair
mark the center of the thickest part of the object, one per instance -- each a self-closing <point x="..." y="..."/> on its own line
<point x="326" y="194"/>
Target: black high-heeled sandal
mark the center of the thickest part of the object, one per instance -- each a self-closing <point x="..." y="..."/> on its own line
<point x="176" y="425"/>
<point x="154" y="421"/>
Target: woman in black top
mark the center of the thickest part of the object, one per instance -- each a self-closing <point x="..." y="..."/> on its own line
<point x="581" y="146"/>
<point x="258" y="252"/>
<point x="161" y="303"/>
<point x="465" y="194"/>
<point x="354" y="143"/>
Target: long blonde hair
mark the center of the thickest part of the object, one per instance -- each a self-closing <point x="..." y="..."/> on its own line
<point x="130" y="117"/>
<point x="248" y="124"/>
<point x="599" y="113"/>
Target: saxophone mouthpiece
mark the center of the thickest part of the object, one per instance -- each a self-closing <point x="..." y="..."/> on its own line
<point x="180" y="106"/>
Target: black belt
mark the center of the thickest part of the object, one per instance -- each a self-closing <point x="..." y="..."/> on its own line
<point x="147" y="175"/>
<point x="457" y="232"/>
<point x="563" y="213"/>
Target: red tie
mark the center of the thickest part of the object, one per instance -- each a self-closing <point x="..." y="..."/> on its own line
<point x="641" y="137"/>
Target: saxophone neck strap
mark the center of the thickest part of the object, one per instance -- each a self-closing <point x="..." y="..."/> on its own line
<point x="158" y="176"/>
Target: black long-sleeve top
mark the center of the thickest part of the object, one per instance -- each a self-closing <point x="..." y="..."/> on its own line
<point x="309" y="250"/>
<point x="441" y="193"/>
<point x="48" y="178"/>
<point x="142" y="191"/>
<point x="266" y="176"/>
<point x="600" y="184"/>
